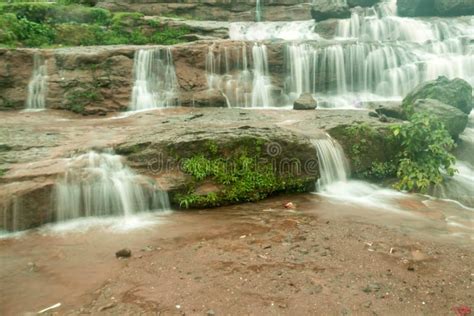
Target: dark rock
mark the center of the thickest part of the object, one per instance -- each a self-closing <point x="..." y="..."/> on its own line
<point x="453" y="119"/>
<point x="327" y="28"/>
<point x="327" y="9"/>
<point x="362" y="3"/>
<point x="123" y="253"/>
<point x="454" y="7"/>
<point x="456" y="92"/>
<point x="383" y="118"/>
<point x="373" y="114"/>
<point x="305" y="102"/>
<point x="205" y="98"/>
<point x="415" y="7"/>
<point x="391" y="110"/>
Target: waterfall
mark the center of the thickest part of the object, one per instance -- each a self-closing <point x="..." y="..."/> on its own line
<point x="243" y="85"/>
<point x="333" y="166"/>
<point x="155" y="83"/>
<point x="99" y="184"/>
<point x="374" y="55"/>
<point x="258" y="11"/>
<point x="380" y="70"/>
<point x="38" y="85"/>
<point x="261" y="92"/>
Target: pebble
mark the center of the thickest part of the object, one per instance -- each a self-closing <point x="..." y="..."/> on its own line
<point x="123" y="253"/>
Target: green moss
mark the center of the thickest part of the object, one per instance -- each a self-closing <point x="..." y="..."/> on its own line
<point x="370" y="150"/>
<point x="77" y="100"/>
<point x="240" y="178"/>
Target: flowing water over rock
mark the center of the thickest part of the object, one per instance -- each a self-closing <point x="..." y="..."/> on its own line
<point x="38" y="85"/>
<point x="228" y="70"/>
<point x="333" y="166"/>
<point x="155" y="83"/>
<point x="99" y="184"/>
<point x="372" y="56"/>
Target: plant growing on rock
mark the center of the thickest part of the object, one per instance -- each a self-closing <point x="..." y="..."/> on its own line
<point x="425" y="153"/>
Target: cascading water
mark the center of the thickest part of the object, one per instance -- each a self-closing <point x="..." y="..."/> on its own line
<point x="333" y="166"/>
<point x="258" y="11"/>
<point x="228" y="71"/>
<point x="373" y="56"/>
<point x="99" y="184"/>
<point x="155" y="84"/>
<point x="38" y="85"/>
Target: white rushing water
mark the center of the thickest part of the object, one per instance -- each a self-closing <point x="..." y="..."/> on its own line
<point x="372" y="56"/>
<point x="333" y="166"/>
<point x="243" y="85"/>
<point x="155" y="83"/>
<point x="38" y="85"/>
<point x="99" y="184"/>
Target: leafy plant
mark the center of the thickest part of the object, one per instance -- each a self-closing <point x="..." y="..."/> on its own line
<point x="426" y="146"/>
<point x="240" y="179"/>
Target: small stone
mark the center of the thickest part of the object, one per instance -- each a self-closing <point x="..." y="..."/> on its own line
<point x="32" y="267"/>
<point x="267" y="246"/>
<point x="210" y="312"/>
<point x="123" y="253"/>
<point x="367" y="304"/>
<point x="411" y="267"/>
<point x="305" y="102"/>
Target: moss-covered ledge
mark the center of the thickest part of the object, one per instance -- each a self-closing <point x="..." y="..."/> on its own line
<point x="371" y="149"/>
<point x="209" y="169"/>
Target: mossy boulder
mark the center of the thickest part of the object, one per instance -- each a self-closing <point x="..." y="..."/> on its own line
<point x="370" y="149"/>
<point x="456" y="92"/>
<point x="327" y="9"/>
<point x="226" y="166"/>
<point x="454" y="120"/>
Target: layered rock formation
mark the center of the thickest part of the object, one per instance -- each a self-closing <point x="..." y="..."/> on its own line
<point x="220" y="10"/>
<point x="155" y="144"/>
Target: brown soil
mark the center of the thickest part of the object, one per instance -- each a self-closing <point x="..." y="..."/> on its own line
<point x="321" y="258"/>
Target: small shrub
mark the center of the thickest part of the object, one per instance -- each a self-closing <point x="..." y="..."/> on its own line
<point x="426" y="146"/>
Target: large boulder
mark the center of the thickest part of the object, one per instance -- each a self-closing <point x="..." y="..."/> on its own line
<point x="456" y="92"/>
<point x="362" y="3"/>
<point x="416" y="7"/>
<point x="454" y="7"/>
<point x="206" y="98"/>
<point x="326" y="9"/>
<point x="305" y="102"/>
<point x="453" y="119"/>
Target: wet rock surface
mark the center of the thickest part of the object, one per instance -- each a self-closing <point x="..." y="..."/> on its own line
<point x="305" y="102"/>
<point x="153" y="142"/>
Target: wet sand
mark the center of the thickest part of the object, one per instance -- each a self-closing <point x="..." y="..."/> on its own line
<point x="325" y="257"/>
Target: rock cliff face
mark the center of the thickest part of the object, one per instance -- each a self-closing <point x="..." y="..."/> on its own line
<point x="220" y="10"/>
<point x="99" y="80"/>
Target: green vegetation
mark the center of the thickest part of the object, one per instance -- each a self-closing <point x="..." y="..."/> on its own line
<point x="36" y="24"/>
<point x="426" y="146"/>
<point x="238" y="178"/>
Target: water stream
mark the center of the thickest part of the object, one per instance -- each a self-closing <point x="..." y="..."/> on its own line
<point x="155" y="84"/>
<point x="372" y="56"/>
<point x="99" y="184"/>
<point x="38" y="85"/>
